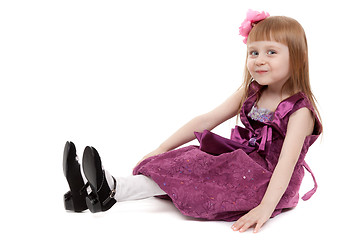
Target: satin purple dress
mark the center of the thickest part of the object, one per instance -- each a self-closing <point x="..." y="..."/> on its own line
<point x="223" y="179"/>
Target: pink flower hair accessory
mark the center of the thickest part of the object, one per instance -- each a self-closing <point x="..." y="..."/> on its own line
<point x="252" y="18"/>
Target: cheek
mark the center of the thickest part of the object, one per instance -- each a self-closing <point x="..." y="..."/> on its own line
<point x="287" y="65"/>
<point x="282" y="73"/>
<point x="286" y="69"/>
<point x="249" y="65"/>
<point x="283" y="68"/>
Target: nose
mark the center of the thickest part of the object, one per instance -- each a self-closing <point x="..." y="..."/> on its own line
<point x="260" y="60"/>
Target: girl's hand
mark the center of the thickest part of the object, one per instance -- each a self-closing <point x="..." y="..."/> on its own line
<point x="157" y="151"/>
<point x="257" y="216"/>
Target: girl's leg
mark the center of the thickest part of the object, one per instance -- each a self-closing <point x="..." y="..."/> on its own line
<point x="134" y="187"/>
<point x="104" y="194"/>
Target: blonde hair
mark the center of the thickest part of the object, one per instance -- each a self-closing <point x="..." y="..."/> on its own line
<point x="287" y="31"/>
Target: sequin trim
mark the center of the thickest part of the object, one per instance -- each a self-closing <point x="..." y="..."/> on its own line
<point x="261" y="114"/>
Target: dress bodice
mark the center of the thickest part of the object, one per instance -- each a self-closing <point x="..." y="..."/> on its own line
<point x="260" y="114"/>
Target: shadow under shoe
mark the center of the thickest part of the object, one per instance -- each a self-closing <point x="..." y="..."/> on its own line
<point x="102" y="197"/>
<point x="74" y="200"/>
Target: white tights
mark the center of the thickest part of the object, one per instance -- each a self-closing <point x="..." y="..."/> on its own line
<point x="134" y="187"/>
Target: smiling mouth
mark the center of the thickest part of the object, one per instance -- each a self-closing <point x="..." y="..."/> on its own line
<point x="262" y="71"/>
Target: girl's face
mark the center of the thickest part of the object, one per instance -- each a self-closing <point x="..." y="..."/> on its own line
<point x="268" y="63"/>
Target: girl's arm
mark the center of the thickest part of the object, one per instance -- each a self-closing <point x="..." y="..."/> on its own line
<point x="301" y="124"/>
<point x="208" y="121"/>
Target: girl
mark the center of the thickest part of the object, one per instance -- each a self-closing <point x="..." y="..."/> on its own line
<point x="252" y="176"/>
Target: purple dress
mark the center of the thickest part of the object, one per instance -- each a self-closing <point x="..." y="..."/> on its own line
<point x="223" y="179"/>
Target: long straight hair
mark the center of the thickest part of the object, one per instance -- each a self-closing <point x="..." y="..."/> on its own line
<point x="289" y="32"/>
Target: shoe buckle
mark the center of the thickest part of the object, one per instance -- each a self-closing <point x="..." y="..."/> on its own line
<point x="112" y="193"/>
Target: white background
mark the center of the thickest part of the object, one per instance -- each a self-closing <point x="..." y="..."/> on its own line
<point x="124" y="75"/>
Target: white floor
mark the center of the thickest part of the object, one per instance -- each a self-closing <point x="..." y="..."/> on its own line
<point x="43" y="217"/>
<point x="32" y="205"/>
<point x="122" y="76"/>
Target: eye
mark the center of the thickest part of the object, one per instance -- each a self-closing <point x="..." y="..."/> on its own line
<point x="271" y="52"/>
<point x="253" y="53"/>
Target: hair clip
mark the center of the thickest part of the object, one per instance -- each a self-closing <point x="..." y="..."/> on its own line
<point x="252" y="18"/>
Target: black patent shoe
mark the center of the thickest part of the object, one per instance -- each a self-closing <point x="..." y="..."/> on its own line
<point x="74" y="200"/>
<point x="102" y="197"/>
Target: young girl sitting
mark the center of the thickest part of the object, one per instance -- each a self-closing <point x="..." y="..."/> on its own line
<point x="252" y="176"/>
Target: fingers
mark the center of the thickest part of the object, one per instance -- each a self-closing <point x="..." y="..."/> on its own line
<point x="244" y="224"/>
<point x="258" y="226"/>
<point x="256" y="217"/>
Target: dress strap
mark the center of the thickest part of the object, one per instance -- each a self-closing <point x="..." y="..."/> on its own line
<point x="309" y="194"/>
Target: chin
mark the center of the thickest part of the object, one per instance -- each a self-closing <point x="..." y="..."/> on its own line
<point x="263" y="83"/>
